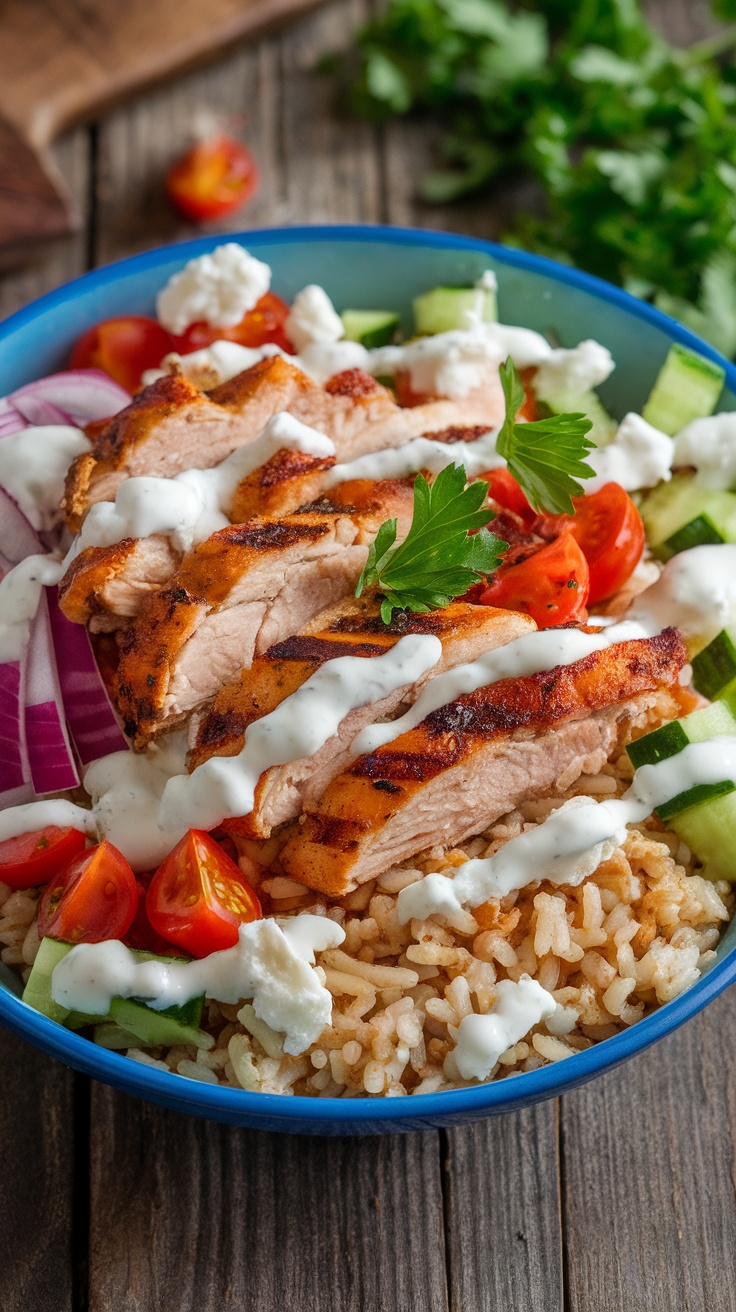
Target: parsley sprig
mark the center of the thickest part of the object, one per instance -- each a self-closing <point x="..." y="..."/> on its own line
<point x="546" y="456"/>
<point x="631" y="140"/>
<point x="437" y="560"/>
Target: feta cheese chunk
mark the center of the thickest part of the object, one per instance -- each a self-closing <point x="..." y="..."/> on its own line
<point x="218" y="288"/>
<point x="481" y="1040"/>
<point x="313" y="318"/>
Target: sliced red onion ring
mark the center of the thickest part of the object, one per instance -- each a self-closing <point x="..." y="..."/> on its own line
<point x="83" y="394"/>
<point x="11" y="420"/>
<point x="38" y="411"/>
<point x="50" y="754"/>
<point x="14" y="772"/>
<point x="91" y="718"/>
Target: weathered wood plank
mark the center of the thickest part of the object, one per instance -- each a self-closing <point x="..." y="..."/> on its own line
<point x="502" y="1222"/>
<point x="38" y="1241"/>
<point x="202" y="1216"/>
<point x="649" y="1159"/>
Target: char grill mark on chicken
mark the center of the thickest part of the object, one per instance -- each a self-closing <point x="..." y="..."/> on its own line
<point x="475" y="759"/>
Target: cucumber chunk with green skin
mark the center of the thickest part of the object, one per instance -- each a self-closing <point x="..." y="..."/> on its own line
<point x="679" y="515"/>
<point x="444" y="308"/>
<point x="709" y="830"/>
<point x="154" y="1029"/>
<point x="109" y="1035"/>
<point x="669" y="739"/>
<point x="37" y="992"/>
<point x="370" y="327"/>
<point x="566" y="402"/>
<point x="687" y="387"/>
<point x="714" y="668"/>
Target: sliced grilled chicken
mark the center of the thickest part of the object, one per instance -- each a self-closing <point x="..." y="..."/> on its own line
<point x="172" y="425"/>
<point x="473" y="760"/>
<point x="105" y="587"/>
<point x="352" y="628"/>
<point x="245" y="588"/>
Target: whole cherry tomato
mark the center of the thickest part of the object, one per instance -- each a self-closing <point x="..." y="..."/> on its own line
<point x="198" y="898"/>
<point x="33" y="859"/>
<point x="91" y="899"/>
<point x="124" y="347"/>
<point x="214" y="178"/>
<point x="610" y="532"/>
<point x="264" y="323"/>
<point x="551" y="586"/>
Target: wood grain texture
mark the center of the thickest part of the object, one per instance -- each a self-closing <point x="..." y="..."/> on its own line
<point x="201" y="1217"/>
<point x="36" y="1201"/>
<point x="650" y="1177"/>
<point x="502" y="1214"/>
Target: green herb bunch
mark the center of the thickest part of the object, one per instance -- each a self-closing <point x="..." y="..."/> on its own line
<point x="632" y="139"/>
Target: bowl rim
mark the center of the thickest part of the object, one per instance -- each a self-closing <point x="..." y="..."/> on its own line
<point x="475" y="1101"/>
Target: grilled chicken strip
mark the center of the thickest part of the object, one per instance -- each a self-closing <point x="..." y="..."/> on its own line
<point x="475" y="759"/>
<point x="245" y="588"/>
<point x="172" y="425"/>
<point x="106" y="586"/>
<point x="352" y="628"/>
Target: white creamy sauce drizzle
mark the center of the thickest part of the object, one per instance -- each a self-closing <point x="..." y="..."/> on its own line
<point x="571" y="842"/>
<point x="225" y="786"/>
<point x="271" y="963"/>
<point x="530" y="654"/>
<point x="20" y="592"/>
<point x="195" y="503"/>
<point x="637" y="456"/>
<point x="421" y="453"/>
<point x="481" y="1040"/>
<point x="574" y="370"/>
<point x="710" y="446"/>
<point x="33" y="465"/>
<point x="696" y="592"/>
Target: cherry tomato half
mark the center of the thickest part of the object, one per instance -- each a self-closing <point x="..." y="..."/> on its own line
<point x="91" y="899"/>
<point x="551" y="586"/>
<point x="123" y="347"/>
<point x="610" y="532"/>
<point x="505" y="491"/>
<point x="32" y="859"/>
<point x="214" y="178"/>
<point x="264" y="323"/>
<point x="142" y="936"/>
<point x="198" y="898"/>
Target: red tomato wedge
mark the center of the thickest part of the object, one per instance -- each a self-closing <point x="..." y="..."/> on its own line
<point x="198" y="898"/>
<point x="505" y="491"/>
<point x="610" y="532"/>
<point x="142" y="936"/>
<point x="33" y="859"/>
<point x="214" y="178"/>
<point x="91" y="899"/>
<point x="551" y="586"/>
<point x="264" y="323"/>
<point x="123" y="347"/>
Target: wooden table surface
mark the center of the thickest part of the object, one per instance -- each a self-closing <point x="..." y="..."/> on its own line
<point x="619" y="1197"/>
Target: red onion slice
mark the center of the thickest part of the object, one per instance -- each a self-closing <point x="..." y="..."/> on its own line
<point x="90" y="716"/>
<point x="40" y="412"/>
<point x="83" y="394"/>
<point x="50" y="754"/>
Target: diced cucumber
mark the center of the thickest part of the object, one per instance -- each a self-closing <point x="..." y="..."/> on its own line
<point x="714" y="668"/>
<point x="566" y="402"/>
<point x="444" y="308"/>
<point x="669" y="739"/>
<point x="679" y="515"/>
<point x="710" y="832"/>
<point x="109" y="1035"/>
<point x="370" y="327"/>
<point x="155" y="1029"/>
<point x="697" y="796"/>
<point x="37" y="992"/>
<point x="687" y="387"/>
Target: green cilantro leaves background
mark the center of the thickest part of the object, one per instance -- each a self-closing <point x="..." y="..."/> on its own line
<point x="632" y="140"/>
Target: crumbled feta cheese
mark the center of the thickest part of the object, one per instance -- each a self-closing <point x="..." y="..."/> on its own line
<point x="313" y="318"/>
<point x="218" y="288"/>
<point x="639" y="456"/>
<point x="571" y="371"/>
<point x="448" y="364"/>
<point x="710" y="446"/>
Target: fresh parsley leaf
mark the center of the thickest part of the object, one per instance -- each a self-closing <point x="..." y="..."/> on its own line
<point x="545" y="456"/>
<point x="437" y="560"/>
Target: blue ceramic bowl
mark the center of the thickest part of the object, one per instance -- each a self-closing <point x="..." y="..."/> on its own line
<point x="369" y="267"/>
